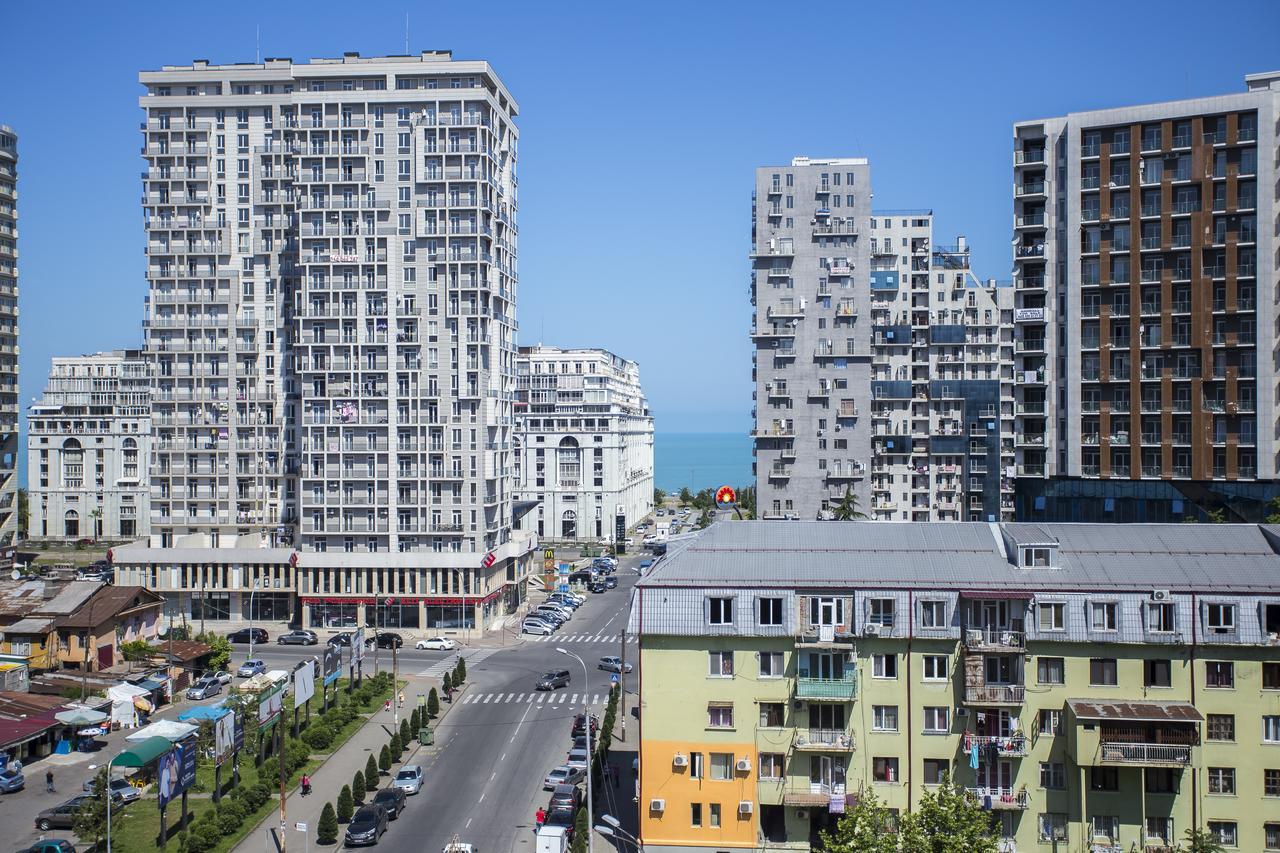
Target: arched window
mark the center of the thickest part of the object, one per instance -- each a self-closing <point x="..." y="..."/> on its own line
<point x="569" y="524"/>
<point x="129" y="454"/>
<point x="570" y="463"/>
<point x="71" y="524"/>
<point x="72" y="464"/>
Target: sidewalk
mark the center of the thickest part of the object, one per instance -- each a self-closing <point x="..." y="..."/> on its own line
<point x="339" y="768"/>
<point x="618" y="798"/>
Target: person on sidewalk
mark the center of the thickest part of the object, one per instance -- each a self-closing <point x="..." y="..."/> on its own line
<point x="539" y="818"/>
<point x="306" y="784"/>
<point x="401" y="698"/>
<point x="48" y="782"/>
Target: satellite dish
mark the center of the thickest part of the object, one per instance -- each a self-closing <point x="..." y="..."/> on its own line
<point x="16" y="575"/>
<point x="162" y="631"/>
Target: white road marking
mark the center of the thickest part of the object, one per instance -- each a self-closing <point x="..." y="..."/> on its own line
<point x="468" y="826"/>
<point x="575" y="699"/>
<point x="519" y="724"/>
<point x="487" y="697"/>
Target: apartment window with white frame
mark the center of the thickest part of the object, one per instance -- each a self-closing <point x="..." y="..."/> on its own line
<point x="937" y="720"/>
<point x="771" y="665"/>
<point x="1050" y="721"/>
<point x="1102" y="615"/>
<point x="1222" y="780"/>
<point x="1105" y="826"/>
<point x="933" y="614"/>
<point x="771" y="766"/>
<point x="884" y="718"/>
<point x="1053" y="826"/>
<point x="884" y="666"/>
<point x="770" y="611"/>
<point x="720" y="611"/>
<point x="1053" y="616"/>
<point x="720" y="664"/>
<point x="1161" y="617"/>
<point x="1220" y="618"/>
<point x="882" y="612"/>
<point x="1271" y="728"/>
<point x="1223" y="832"/>
<point x="935" y="667"/>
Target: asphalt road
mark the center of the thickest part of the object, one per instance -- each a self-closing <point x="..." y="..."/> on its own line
<point x="484" y="782"/>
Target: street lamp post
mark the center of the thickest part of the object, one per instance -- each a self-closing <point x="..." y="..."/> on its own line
<point x="613" y="829"/>
<point x="590" y="756"/>
<point x="253" y="588"/>
<point x="108" y="794"/>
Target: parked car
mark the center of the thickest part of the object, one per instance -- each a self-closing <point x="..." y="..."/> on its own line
<point x="597" y="587"/>
<point x="221" y="675"/>
<point x="563" y="775"/>
<point x="578" y="758"/>
<point x="61" y="816"/>
<point x="204" y="689"/>
<point x="11" y="781"/>
<point x="50" y="845"/>
<point x="559" y="610"/>
<point x="613" y="663"/>
<point x="644" y="564"/>
<point x="121" y="790"/>
<point x="367" y="826"/>
<point x="566" y="599"/>
<point x="580" y="742"/>
<point x="649" y="540"/>
<point x="340" y="639"/>
<point x="409" y="779"/>
<point x="553" y="679"/>
<point x="579" y="724"/>
<point x="565" y="797"/>
<point x="392" y="799"/>
<point x="242" y="636"/>
<point x="439" y="643"/>
<point x="552" y="617"/>
<point x="660" y="513"/>
<point x="536" y="627"/>
<point x="298" y="638"/>
<point x="388" y="640"/>
<point x="611" y="582"/>
<point x="560" y="817"/>
<point x="251" y="668"/>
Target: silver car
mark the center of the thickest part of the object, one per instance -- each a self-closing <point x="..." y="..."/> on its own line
<point x="204" y="688"/>
<point x="409" y="779"/>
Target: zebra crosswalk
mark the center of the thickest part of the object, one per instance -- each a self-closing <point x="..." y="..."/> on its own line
<point x="473" y="656"/>
<point x="606" y="639"/>
<point x="538" y="698"/>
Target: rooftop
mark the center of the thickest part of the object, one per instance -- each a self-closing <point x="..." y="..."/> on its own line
<point x="107" y="604"/>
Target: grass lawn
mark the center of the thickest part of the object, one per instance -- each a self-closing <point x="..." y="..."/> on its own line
<point x="138" y="824"/>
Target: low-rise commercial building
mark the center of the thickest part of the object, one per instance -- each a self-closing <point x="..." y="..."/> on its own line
<point x="1093" y="686"/>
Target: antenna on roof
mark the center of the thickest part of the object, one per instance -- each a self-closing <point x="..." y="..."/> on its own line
<point x="406" y="33"/>
<point x="257" y="43"/>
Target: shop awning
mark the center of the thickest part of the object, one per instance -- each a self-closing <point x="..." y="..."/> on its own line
<point x="80" y="716"/>
<point x="143" y="753"/>
<point x="167" y="729"/>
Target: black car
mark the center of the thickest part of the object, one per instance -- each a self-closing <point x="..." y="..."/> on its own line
<point x="553" y="679"/>
<point x="580" y="724"/>
<point x="61" y="816"/>
<point x="565" y="797"/>
<point x="343" y="639"/>
<point x="561" y="817"/>
<point x="391" y="799"/>
<point x="598" y="586"/>
<point x="387" y="640"/>
<point x="367" y="825"/>
<point x="298" y="638"/>
<point x="242" y="636"/>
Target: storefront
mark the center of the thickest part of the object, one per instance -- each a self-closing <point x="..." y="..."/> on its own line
<point x="396" y="613"/>
<point x="331" y="613"/>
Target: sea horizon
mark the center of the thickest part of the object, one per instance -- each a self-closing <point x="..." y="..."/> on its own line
<point x="701" y="460"/>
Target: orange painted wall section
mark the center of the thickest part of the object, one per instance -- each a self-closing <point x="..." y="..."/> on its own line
<point x="660" y="779"/>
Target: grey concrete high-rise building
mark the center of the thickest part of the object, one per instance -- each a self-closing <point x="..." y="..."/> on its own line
<point x="332" y="258"/>
<point x="1145" y="272"/>
<point x="8" y="335"/>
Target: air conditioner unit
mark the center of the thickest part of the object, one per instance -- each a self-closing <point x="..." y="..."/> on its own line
<point x="743" y="765"/>
<point x="802" y="814"/>
<point x="680" y="760"/>
<point x="657" y="805"/>
<point x="1160" y="595"/>
<point x="871" y="630"/>
<point x="962" y="712"/>
<point x="746" y="807"/>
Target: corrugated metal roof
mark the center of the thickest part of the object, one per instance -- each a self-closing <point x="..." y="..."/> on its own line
<point x="1148" y="712"/>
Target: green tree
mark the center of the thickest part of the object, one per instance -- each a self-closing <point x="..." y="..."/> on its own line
<point x="327" y="829"/>
<point x="447" y="684"/>
<point x="658" y="497"/>
<point x="460" y="671"/>
<point x="91" y="820"/>
<point x="686" y="496"/>
<point x="415" y="723"/>
<point x="433" y="705"/>
<point x="137" y="650"/>
<point x="580" y="830"/>
<point x="221" y="649"/>
<point x="949" y="820"/>
<point x="865" y="828"/>
<point x="847" y="509"/>
<point x="371" y="773"/>
<point x="346" y="804"/>
<point x="357" y="785"/>
<point x="1200" y="841"/>
<point x="1273" y="511"/>
<point x="404" y="732"/>
<point x="24" y="512"/>
<point x="384" y="756"/>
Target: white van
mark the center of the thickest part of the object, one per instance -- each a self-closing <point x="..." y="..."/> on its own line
<point x="552" y="839"/>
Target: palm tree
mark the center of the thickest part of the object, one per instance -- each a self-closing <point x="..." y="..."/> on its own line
<point x="847" y="509"/>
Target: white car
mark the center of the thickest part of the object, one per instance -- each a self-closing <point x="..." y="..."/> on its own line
<point x="536" y="626"/>
<point x="440" y="643"/>
<point x="409" y="779"/>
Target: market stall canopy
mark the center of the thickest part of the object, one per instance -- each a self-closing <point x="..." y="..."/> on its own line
<point x="80" y="717"/>
<point x="144" y="753"/>
<point x="204" y="712"/>
<point x="170" y="730"/>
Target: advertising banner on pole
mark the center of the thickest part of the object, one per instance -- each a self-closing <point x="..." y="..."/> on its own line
<point x="332" y="663"/>
<point x="177" y="772"/>
<point x="239" y="735"/>
<point x="270" y="705"/>
<point x="224" y="737"/>
<point x="304" y="682"/>
<point x="357" y="646"/>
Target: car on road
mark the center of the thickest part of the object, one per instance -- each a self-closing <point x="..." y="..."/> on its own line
<point x="221" y="675"/>
<point x="367" y="826"/>
<point x="61" y="816"/>
<point x="598" y="587"/>
<point x="121" y="790"/>
<point x="553" y="679"/>
<point x="578" y="758"/>
<point x="392" y="799"/>
<point x="612" y="663"/>
<point x="204" y="689"/>
<point x="536" y="627"/>
<point x="660" y="513"/>
<point x="563" y="775"/>
<point x="565" y="797"/>
<point x="298" y="638"/>
<point x="409" y="779"/>
<point x="251" y="668"/>
<point x="388" y="640"/>
<point x="560" y="817"/>
<point x="611" y="582"/>
<point x="340" y="639"/>
<point x="11" y="781"/>
<point x="579" y="725"/>
<point x="50" y="845"/>
<point x="439" y="643"/>
<point x="242" y="636"/>
<point x="580" y="742"/>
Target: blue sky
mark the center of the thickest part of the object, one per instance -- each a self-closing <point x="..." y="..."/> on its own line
<point x="641" y="125"/>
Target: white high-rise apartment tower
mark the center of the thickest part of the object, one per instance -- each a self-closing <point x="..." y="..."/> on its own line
<point x="8" y="334"/>
<point x="332" y="257"/>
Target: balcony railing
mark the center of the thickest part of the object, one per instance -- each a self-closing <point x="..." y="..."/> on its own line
<point x="1145" y="754"/>
<point x="987" y="639"/>
<point x="1000" y="798"/>
<point x="1006" y="747"/>
<point x="823" y="740"/>
<point x="994" y="694"/>
<point x="844" y="688"/>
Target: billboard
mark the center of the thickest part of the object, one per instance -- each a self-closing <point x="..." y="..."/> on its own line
<point x="332" y="663"/>
<point x="271" y="704"/>
<point x="177" y="772"/>
<point x="304" y="682"/>
<point x="239" y="735"/>
<point x="224" y="737"/>
<point x="357" y="646"/>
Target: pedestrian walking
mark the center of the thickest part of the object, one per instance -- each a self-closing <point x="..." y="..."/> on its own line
<point x="48" y="782"/>
<point x="401" y="698"/>
<point x="539" y="818"/>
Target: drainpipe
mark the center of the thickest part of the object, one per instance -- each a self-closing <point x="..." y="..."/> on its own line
<point x="911" y="618"/>
<point x="1195" y="781"/>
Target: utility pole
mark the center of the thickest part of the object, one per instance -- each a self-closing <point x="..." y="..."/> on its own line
<point x="88" y="635"/>
<point x="622" y="683"/>
<point x="395" y="685"/>
<point x="280" y="748"/>
<point x="375" y="633"/>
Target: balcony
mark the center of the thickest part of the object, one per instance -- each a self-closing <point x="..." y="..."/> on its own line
<point x="1001" y="799"/>
<point x="996" y="640"/>
<point x="1145" y="754"/>
<point x="810" y="794"/>
<point x="1013" y="746"/>
<point x="842" y="689"/>
<point x="822" y="740"/>
<point x="994" y="694"/>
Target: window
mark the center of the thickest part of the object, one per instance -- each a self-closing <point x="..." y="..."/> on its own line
<point x="1051" y="670"/>
<point x="771" y="665"/>
<point x="695" y="765"/>
<point x="1105" y="826"/>
<point x="1221" y="618"/>
<point x="1220" y="727"/>
<point x="1271" y="836"/>
<point x="937" y="720"/>
<point x="1271" y="676"/>
<point x="1053" y="616"/>
<point x="1219" y="673"/>
<point x="882" y="612"/>
<point x="1102" y="672"/>
<point x="720" y="611"/>
<point x="884" y="769"/>
<point x="1223" y="832"/>
<point x="1035" y="557"/>
<point x="936" y="770"/>
<point x="1053" y="775"/>
<point x="695" y="814"/>
<point x="933" y="614"/>
<point x="1161" y="780"/>
<point x="771" y="765"/>
<point x="935" y="667"/>
<point x="1050" y="721"/>
<point x="1104" y="779"/>
<point x="1157" y="673"/>
<point x="884" y="666"/>
<point x="1271" y="783"/>
<point x="884" y="718"/>
<point x="1102" y="616"/>
<point x="1053" y="826"/>
<point x="771" y="714"/>
<point x="720" y="664"/>
<point x="1271" y="728"/>
<point x="770" y="611"/>
<point x="1222" y="780"/>
<point x="719" y="716"/>
<point x="721" y="766"/>
<point x="714" y="809"/>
